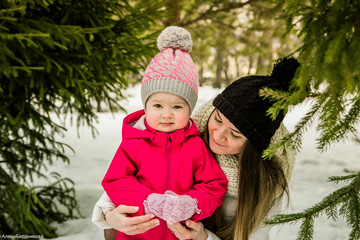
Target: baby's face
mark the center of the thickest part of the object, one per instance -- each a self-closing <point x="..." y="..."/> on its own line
<point x="166" y="112"/>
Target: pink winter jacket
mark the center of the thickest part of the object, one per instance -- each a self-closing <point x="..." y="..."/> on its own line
<point x="152" y="162"/>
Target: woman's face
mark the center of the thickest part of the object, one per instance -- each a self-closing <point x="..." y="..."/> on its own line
<point x="224" y="137"/>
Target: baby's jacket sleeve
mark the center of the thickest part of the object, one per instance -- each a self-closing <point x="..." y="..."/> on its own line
<point x="210" y="183"/>
<point x="120" y="182"/>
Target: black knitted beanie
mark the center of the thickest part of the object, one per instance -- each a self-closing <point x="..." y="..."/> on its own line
<point x="242" y="105"/>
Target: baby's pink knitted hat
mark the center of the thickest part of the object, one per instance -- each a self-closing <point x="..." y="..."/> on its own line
<point x="172" y="70"/>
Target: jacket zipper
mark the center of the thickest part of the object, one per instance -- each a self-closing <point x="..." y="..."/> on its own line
<point x="167" y="176"/>
<point x="168" y="149"/>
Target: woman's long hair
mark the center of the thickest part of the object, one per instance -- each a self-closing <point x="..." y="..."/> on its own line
<point x="262" y="183"/>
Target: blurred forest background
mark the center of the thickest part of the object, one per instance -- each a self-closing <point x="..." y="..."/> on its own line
<point x="73" y="58"/>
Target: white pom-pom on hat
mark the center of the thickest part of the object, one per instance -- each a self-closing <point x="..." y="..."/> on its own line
<point x="176" y="38"/>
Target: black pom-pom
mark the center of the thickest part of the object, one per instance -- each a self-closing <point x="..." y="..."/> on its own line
<point x="284" y="71"/>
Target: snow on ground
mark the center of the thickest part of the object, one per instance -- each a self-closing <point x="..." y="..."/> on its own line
<point x="308" y="186"/>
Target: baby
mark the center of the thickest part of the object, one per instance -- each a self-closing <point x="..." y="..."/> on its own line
<point x="162" y="165"/>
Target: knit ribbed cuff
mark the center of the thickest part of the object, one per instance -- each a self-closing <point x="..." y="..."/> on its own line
<point x="169" y="85"/>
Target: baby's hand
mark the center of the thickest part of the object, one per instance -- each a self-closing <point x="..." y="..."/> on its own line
<point x="179" y="208"/>
<point x="171" y="207"/>
<point x="155" y="203"/>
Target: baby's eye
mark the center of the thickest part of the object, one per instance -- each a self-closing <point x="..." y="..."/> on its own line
<point x="177" y="107"/>
<point x="157" y="106"/>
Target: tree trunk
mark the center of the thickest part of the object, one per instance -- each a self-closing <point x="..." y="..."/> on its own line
<point x="227" y="79"/>
<point x="201" y="74"/>
<point x="219" y="67"/>
<point x="173" y="7"/>
<point x="238" y="71"/>
<point x="250" y="65"/>
<point x="260" y="65"/>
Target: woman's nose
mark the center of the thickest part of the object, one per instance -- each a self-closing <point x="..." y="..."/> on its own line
<point x="219" y="134"/>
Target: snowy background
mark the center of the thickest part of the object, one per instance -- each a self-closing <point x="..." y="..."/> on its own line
<point x="308" y="186"/>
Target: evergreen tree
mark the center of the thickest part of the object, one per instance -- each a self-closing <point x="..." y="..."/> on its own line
<point x="58" y="58"/>
<point x="330" y="79"/>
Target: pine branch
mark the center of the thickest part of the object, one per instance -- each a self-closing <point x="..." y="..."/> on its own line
<point x="10" y="10"/>
<point x="342" y="127"/>
<point x="346" y="199"/>
<point x="295" y="137"/>
<point x="329" y="61"/>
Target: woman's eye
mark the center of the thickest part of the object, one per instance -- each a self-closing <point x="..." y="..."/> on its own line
<point x="235" y="136"/>
<point x="217" y="120"/>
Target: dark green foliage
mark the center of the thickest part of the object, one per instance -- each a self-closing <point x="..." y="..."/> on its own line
<point x="29" y="210"/>
<point x="330" y="80"/>
<point x="343" y="202"/>
<point x="330" y="57"/>
<point x="58" y="59"/>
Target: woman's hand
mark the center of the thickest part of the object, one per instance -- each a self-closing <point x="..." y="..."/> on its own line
<point x="118" y="219"/>
<point x="193" y="230"/>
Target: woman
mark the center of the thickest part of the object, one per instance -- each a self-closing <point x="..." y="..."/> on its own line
<point x="237" y="129"/>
